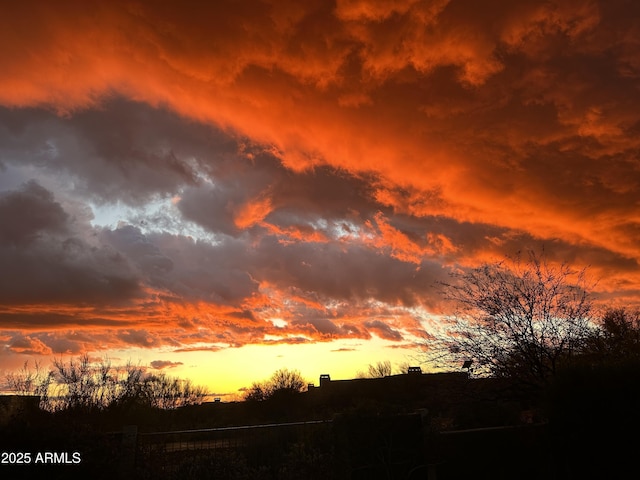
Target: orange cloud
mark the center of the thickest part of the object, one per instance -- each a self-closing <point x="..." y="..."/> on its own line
<point x="359" y="10"/>
<point x="405" y="248"/>
<point x="29" y="346"/>
<point x="252" y="212"/>
<point x="297" y="234"/>
<point x="519" y="118"/>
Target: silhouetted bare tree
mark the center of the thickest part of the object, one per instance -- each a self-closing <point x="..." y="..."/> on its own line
<point x="515" y="319"/>
<point x="380" y="369"/>
<point x="29" y="381"/>
<point x="163" y="391"/>
<point x="282" y="381"/>
<point x="78" y="384"/>
<point x="617" y="340"/>
<point x="285" y="379"/>
<point x="376" y="370"/>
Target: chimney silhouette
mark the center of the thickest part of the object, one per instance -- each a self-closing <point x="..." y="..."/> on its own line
<point x="324" y="378"/>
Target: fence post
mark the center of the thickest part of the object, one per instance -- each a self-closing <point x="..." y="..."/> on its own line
<point x="129" y="446"/>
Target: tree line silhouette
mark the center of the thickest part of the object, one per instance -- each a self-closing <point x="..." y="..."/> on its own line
<point x="80" y="385"/>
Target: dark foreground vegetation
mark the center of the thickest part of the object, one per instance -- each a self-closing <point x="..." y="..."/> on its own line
<point x="549" y="392"/>
<point x="398" y="427"/>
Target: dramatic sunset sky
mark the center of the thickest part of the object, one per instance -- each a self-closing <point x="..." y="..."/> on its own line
<point x="221" y="189"/>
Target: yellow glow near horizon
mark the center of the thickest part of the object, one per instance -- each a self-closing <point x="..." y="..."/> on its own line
<point x="226" y="371"/>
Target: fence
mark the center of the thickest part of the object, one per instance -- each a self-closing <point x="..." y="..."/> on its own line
<point x="167" y="454"/>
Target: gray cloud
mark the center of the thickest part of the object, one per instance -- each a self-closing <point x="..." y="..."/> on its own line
<point x="162" y="364"/>
<point x="29" y="212"/>
<point x="125" y="152"/>
<point x="45" y="260"/>
<point x="383" y="330"/>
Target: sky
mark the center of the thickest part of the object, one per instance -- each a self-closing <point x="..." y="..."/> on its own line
<point x="220" y="189"/>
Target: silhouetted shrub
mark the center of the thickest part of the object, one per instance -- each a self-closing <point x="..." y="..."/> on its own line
<point x="79" y="385"/>
<point x="282" y="382"/>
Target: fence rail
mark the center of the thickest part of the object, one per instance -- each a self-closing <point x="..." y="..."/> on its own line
<point x="165" y="451"/>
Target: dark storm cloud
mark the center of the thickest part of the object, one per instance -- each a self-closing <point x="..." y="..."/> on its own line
<point x="218" y="273"/>
<point x="289" y="199"/>
<point x="44" y="259"/>
<point x="125" y="152"/>
<point x="29" y="212"/>
<point x="345" y="271"/>
<point x="383" y="330"/>
<point x="47" y="316"/>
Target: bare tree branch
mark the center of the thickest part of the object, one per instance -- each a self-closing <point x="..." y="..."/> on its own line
<point x="516" y="319"/>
